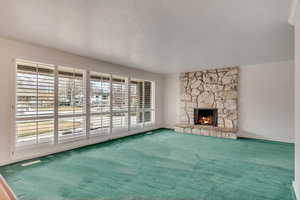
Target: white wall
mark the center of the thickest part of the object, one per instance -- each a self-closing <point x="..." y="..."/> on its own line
<point x="297" y="103"/>
<point x="266" y="101"/>
<point x="171" y="100"/>
<point x="9" y="50"/>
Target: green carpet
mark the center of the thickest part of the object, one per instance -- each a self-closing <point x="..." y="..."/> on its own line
<point x="162" y="165"/>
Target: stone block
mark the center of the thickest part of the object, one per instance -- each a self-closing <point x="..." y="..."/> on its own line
<point x="178" y="129"/>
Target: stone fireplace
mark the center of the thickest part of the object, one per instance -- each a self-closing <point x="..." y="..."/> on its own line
<point x="209" y="102"/>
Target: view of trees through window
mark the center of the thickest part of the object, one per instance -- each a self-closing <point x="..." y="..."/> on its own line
<point x="114" y="103"/>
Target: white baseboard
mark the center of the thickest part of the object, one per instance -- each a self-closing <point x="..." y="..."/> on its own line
<point x="296" y="191"/>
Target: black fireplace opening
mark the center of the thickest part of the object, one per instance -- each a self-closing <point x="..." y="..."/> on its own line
<point x="205" y="116"/>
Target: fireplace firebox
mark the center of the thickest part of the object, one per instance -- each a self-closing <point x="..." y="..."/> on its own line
<point x="205" y="116"/>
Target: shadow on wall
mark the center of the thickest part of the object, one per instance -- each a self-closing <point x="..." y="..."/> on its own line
<point x="243" y="133"/>
<point x="247" y="134"/>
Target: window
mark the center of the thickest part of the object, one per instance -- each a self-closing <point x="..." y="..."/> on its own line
<point x="148" y="103"/>
<point x="141" y="103"/>
<point x="136" y="104"/>
<point x="100" y="104"/>
<point x="119" y="103"/>
<point x="71" y="103"/>
<point x="34" y="103"/>
<point x="56" y="104"/>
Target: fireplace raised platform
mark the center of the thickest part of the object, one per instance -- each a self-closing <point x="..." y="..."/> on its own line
<point x="230" y="133"/>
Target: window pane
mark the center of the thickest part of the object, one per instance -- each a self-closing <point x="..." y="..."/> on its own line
<point x="120" y="94"/>
<point x="35" y="131"/>
<point x="149" y="117"/>
<point x="71" y="97"/>
<point x="136" y="120"/>
<point x="71" y="127"/>
<point x="100" y="124"/>
<point x="99" y="93"/>
<point x="120" y="103"/>
<point x="148" y="94"/>
<point x="26" y="131"/>
<point x="120" y="121"/>
<point x="71" y="102"/>
<point x="26" y="91"/>
<point x="45" y="130"/>
<point x="65" y="95"/>
<point x="136" y="95"/>
<point x="34" y="99"/>
<point x="78" y="98"/>
<point x="45" y="92"/>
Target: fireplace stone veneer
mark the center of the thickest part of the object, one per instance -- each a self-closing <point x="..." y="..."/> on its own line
<point x="215" y="89"/>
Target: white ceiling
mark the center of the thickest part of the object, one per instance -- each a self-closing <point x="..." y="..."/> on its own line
<point x="164" y="36"/>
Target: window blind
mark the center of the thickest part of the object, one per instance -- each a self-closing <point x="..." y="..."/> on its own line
<point x="34" y="103"/>
<point x="119" y="103"/>
<point x="100" y="93"/>
<point x="51" y="103"/>
<point x="71" y="103"/>
<point x="136" y="103"/>
<point x="100" y="103"/>
<point x="148" y="103"/>
<point x="148" y="95"/>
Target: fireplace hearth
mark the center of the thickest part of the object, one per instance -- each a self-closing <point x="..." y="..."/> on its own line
<point x="206" y="116"/>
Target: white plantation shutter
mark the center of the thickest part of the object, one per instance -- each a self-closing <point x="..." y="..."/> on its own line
<point x="148" y="103"/>
<point x="141" y="103"/>
<point x="148" y="95"/>
<point x="34" y="103"/>
<point x="71" y="104"/>
<point x="100" y="124"/>
<point x="136" y="104"/>
<point x="99" y="104"/>
<point x="119" y="103"/>
<point x="136" y="95"/>
<point x="51" y="104"/>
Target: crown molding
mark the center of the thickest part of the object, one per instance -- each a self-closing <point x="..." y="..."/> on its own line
<point x="293" y="11"/>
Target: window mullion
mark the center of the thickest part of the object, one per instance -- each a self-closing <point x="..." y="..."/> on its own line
<point x="72" y="102"/>
<point x="111" y="104"/>
<point x="87" y="103"/>
<point x="101" y="86"/>
<point x="56" y="105"/>
<point x="129" y="103"/>
<point x="143" y="104"/>
<point x="37" y="105"/>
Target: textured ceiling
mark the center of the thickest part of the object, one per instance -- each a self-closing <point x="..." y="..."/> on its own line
<point x="164" y="36"/>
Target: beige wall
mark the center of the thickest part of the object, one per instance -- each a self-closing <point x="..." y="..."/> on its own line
<point x="9" y="50"/>
<point x="266" y="101"/>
